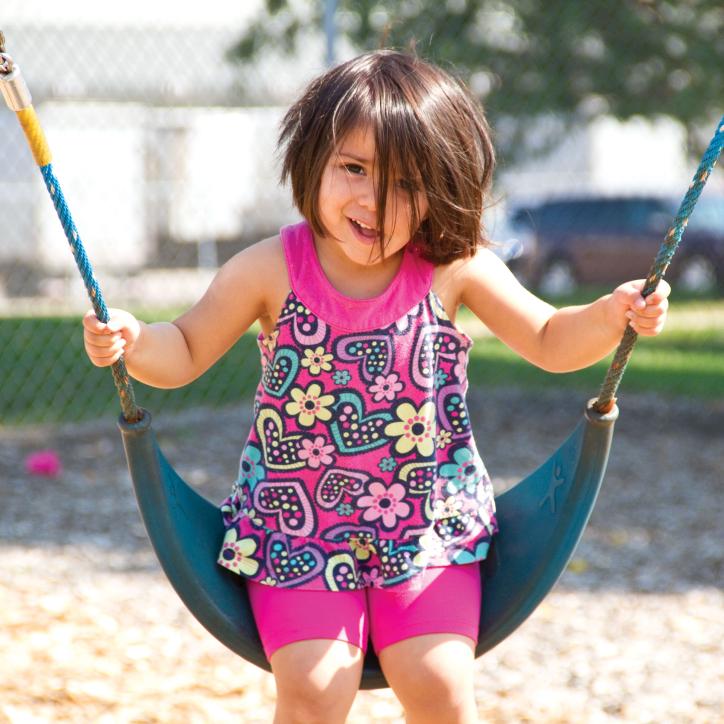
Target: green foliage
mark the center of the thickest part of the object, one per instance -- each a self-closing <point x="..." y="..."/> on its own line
<point x="620" y="57"/>
<point x="46" y="376"/>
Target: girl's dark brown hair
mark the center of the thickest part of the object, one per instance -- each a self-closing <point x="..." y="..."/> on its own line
<point x="426" y="126"/>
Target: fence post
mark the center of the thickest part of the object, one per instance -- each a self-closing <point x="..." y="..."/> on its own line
<point x="330" y="29"/>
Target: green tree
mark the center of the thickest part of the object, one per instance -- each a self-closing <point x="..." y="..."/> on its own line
<point x="530" y="57"/>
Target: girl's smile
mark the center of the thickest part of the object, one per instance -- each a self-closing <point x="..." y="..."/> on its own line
<point x="366" y="234"/>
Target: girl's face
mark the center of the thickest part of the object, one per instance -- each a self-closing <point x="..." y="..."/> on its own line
<point x="348" y="206"/>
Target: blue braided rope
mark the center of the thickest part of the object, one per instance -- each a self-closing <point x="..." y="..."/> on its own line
<point x="131" y="412"/>
<point x="661" y="263"/>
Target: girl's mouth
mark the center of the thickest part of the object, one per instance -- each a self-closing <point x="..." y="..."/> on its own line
<point x="366" y="234"/>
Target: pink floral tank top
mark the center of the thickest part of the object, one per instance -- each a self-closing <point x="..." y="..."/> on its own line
<point x="360" y="468"/>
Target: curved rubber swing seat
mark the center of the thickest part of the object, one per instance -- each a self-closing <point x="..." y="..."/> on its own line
<point x="543" y="518"/>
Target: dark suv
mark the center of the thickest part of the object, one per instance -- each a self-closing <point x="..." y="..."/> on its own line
<point x="606" y="240"/>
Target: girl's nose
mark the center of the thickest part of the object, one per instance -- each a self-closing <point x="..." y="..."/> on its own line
<point x="367" y="196"/>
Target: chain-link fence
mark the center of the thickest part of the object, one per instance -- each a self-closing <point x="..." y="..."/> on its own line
<point x="165" y="146"/>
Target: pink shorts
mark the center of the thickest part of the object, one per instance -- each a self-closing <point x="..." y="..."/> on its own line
<point x="447" y="601"/>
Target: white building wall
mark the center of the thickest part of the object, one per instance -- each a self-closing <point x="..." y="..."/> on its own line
<point x="19" y="192"/>
<point x="132" y="175"/>
<point x="98" y="160"/>
<point x="639" y="156"/>
<point x="606" y="157"/>
<point x="228" y="182"/>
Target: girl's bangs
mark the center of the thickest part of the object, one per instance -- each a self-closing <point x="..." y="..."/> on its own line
<point x="392" y="124"/>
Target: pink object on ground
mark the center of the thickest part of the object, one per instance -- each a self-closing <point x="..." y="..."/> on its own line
<point x="44" y="463"/>
<point x="447" y="600"/>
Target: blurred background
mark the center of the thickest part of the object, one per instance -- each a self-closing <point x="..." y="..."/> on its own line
<point x="162" y="118"/>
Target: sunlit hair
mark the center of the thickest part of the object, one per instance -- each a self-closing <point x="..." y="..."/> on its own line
<point x="426" y="126"/>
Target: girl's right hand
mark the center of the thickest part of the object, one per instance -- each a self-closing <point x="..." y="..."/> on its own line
<point x="105" y="343"/>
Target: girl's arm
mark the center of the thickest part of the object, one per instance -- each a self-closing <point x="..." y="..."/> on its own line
<point x="172" y="354"/>
<point x="557" y="340"/>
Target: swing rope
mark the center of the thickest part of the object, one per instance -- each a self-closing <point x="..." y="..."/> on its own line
<point x="121" y="379"/>
<point x="18" y="99"/>
<point x="607" y="396"/>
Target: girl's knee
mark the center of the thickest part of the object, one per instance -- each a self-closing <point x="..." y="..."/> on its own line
<point x="434" y="689"/>
<point x="316" y="680"/>
<point x="433" y="677"/>
<point x="437" y="697"/>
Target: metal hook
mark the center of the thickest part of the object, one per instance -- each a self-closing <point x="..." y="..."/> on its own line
<point x="6" y="62"/>
<point x="12" y="86"/>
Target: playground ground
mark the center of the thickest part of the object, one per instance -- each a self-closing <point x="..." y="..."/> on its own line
<point x="90" y="631"/>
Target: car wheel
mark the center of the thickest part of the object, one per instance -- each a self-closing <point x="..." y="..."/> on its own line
<point x="697" y="275"/>
<point x="558" y="278"/>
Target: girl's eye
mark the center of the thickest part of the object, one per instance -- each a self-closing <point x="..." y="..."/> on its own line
<point x="354" y="169"/>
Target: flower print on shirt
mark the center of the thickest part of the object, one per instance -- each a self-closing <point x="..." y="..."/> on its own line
<point x="384" y="503"/>
<point x="236" y="554"/>
<point x="414" y="428"/>
<point x="431" y="548"/>
<point x="270" y="342"/>
<point x="341" y="377"/>
<point x="316" y="361"/>
<point x="363" y="546"/>
<point x="373" y="578"/>
<point x="315" y="452"/>
<point x="443" y="439"/>
<point x="374" y="408"/>
<point x="448" y="508"/>
<point x="251" y="471"/>
<point x="386" y="387"/>
<point x="461" y="366"/>
<point x="464" y="473"/>
<point x="309" y="405"/>
<point x="440" y="379"/>
<point x="387" y="465"/>
<point x="253" y="516"/>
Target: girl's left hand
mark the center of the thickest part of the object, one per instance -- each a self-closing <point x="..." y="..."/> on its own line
<point x="646" y="316"/>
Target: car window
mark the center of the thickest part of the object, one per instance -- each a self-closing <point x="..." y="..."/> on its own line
<point x="708" y="215"/>
<point x="572" y="216"/>
<point x="647" y="215"/>
<point x="585" y="216"/>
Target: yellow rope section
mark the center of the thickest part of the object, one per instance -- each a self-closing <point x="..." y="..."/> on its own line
<point x="36" y="138"/>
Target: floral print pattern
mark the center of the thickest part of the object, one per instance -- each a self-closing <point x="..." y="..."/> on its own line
<point x="309" y="405"/>
<point x="385" y="388"/>
<point x="316" y="361"/>
<point x="385" y="503"/>
<point x="251" y="471"/>
<point x="236" y="554"/>
<point x="315" y="452"/>
<point x="464" y="473"/>
<point x="414" y="429"/>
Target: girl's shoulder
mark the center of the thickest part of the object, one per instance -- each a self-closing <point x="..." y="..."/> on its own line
<point x="264" y="258"/>
<point x="267" y="262"/>
<point x="257" y="273"/>
<point x="454" y="280"/>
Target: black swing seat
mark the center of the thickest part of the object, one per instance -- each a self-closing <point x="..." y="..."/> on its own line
<point x="541" y="521"/>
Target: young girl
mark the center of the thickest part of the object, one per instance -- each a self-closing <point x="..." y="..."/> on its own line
<point x="362" y="507"/>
